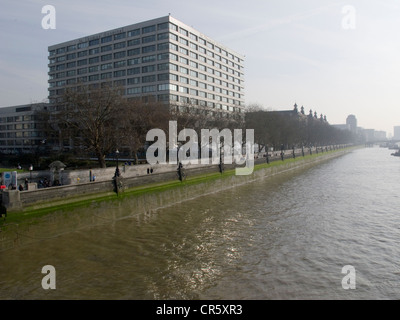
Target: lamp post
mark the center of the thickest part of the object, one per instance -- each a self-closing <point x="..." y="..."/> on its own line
<point x="117" y="173"/>
<point x="30" y="172"/>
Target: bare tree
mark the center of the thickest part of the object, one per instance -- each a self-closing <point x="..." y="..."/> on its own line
<point x="138" y="117"/>
<point x="90" y="117"/>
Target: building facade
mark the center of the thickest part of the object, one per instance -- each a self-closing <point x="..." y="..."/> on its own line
<point x="351" y="122"/>
<point x="162" y="58"/>
<point x="22" y="129"/>
<point x="396" y="132"/>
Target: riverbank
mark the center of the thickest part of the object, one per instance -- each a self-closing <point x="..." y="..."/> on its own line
<point x="48" y="219"/>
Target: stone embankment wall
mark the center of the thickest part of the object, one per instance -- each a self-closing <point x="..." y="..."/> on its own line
<point x="15" y="200"/>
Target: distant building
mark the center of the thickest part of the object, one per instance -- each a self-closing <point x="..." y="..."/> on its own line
<point x="396" y="133"/>
<point x="341" y="126"/>
<point x="380" y="135"/>
<point x="21" y="129"/>
<point x="369" y="135"/>
<point x="351" y="121"/>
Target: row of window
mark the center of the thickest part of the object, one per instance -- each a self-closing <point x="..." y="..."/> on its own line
<point x="21" y="142"/>
<point x="210" y="66"/>
<point x="20" y="134"/>
<point x="151" y="48"/>
<point x="17" y="118"/>
<point x="152" y="78"/>
<point x="153" y="68"/>
<point x="19" y="126"/>
<point x="109" y="38"/>
<point x="146" y="30"/>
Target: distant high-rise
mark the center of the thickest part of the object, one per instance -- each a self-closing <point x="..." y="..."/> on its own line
<point x="396" y="132"/>
<point x="351" y="121"/>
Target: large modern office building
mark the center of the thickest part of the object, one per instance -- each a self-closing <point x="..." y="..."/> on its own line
<point x="161" y="58"/>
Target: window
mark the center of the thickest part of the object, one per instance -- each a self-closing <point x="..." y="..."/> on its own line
<point x="184" y="90"/>
<point x="82" y="54"/>
<point x="106" y="57"/>
<point x="147" y="89"/>
<point x="134" y="61"/>
<point x="82" y="62"/>
<point x="94" y="42"/>
<point x="184" y="41"/>
<point x="136" y="90"/>
<point x="83" y="45"/>
<point x="147" y="69"/>
<point x="106" y="66"/>
<point x="162" y="36"/>
<point x="163" y="26"/>
<point x="163" y="56"/>
<point x="119" y="55"/>
<point x="163" y="87"/>
<point x="106" y="39"/>
<point x="71" y="48"/>
<point x="163" y="97"/>
<point x="133" y="33"/>
<point x="148" y="29"/>
<point x="119" y="64"/>
<point x="148" y="79"/>
<point x="151" y="58"/>
<point x="184" y="80"/>
<point x="71" y="65"/>
<point x="94" y="51"/>
<point x="133" y="71"/>
<point x="106" y="48"/>
<point x="134" y="80"/>
<point x="148" y="49"/>
<point x="163" y="77"/>
<point x="106" y="75"/>
<point x="193" y="36"/>
<point x="119" y="36"/>
<point x="183" y="60"/>
<point x="184" y="51"/>
<point x="94" y="60"/>
<point x="94" y="77"/>
<point x="184" y="32"/>
<point x="133" y="42"/>
<point x="149" y="39"/>
<point x="133" y="52"/>
<point x="163" y="46"/>
<point x="120" y="45"/>
<point x="94" y="69"/>
<point x="173" y="37"/>
<point x="71" y="73"/>
<point x="119" y="73"/>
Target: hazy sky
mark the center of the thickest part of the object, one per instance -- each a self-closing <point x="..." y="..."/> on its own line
<point x="334" y="57"/>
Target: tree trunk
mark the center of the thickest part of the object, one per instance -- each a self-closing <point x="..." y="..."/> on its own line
<point x="101" y="159"/>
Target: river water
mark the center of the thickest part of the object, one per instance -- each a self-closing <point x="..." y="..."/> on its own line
<point x="285" y="237"/>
